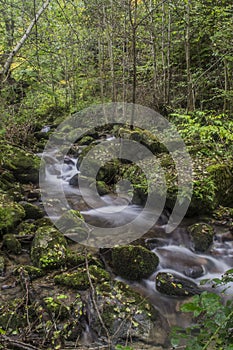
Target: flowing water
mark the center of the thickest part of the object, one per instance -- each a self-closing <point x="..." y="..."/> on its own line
<point x="174" y="250"/>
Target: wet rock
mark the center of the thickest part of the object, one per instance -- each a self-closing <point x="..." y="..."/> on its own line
<point x="181" y="260"/>
<point x="133" y="262"/>
<point x="194" y="271"/>
<point x="11" y="244"/>
<point x="32" y="211"/>
<point x="202" y="236"/>
<point x="49" y="248"/>
<point x="175" y="285"/>
<point x="79" y="279"/>
<point x="11" y="213"/>
<point x="74" y="180"/>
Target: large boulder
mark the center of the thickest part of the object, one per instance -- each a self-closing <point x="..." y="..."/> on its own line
<point x="133" y="262"/>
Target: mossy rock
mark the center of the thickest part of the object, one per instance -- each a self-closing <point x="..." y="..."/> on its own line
<point x="223" y="216"/>
<point x="133" y="262"/>
<point x="11" y="213"/>
<point x="85" y="141"/>
<point x="26" y="228"/>
<point x="202" y="236"/>
<point x="102" y="188"/>
<point x="121" y="308"/>
<point x="79" y="279"/>
<point x="11" y="243"/>
<point x="77" y="259"/>
<point x="49" y="249"/>
<point x="24" y="165"/>
<point x="222" y="175"/>
<point x="32" y="211"/>
<point x="144" y="137"/>
<point x="73" y="225"/>
<point x="7" y="180"/>
<point x="175" y="285"/>
<point x="45" y="221"/>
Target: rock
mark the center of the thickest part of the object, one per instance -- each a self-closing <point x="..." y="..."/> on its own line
<point x="32" y="211"/>
<point x="79" y="279"/>
<point x="49" y="249"/>
<point x="24" y="165"/>
<point x="11" y="243"/>
<point x="175" y="285"/>
<point x="72" y="222"/>
<point x="26" y="228"/>
<point x="11" y="213"/>
<point x="222" y="176"/>
<point x="133" y="262"/>
<point x="102" y="188"/>
<point x="202" y="236"/>
<point x="122" y="309"/>
<point x="74" y="180"/>
<point x="85" y="141"/>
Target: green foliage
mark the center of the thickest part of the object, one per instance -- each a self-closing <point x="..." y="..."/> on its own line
<point x="213" y="321"/>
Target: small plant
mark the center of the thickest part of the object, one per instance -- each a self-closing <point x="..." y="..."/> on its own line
<point x="213" y="321"/>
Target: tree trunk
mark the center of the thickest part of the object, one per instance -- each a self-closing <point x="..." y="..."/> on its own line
<point x="5" y="70"/>
<point x="190" y="88"/>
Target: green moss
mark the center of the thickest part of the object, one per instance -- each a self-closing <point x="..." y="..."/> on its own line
<point x="79" y="279"/>
<point x="49" y="248"/>
<point x="11" y="243"/>
<point x="32" y="211"/>
<point x="10" y="213"/>
<point x="57" y="307"/>
<point x="133" y="262"/>
<point x="32" y="271"/>
<point x="86" y="140"/>
<point x="222" y="175"/>
<point x="24" y="165"/>
<point x="75" y="259"/>
<point x="201" y="235"/>
<point x="102" y="188"/>
<point x="26" y="228"/>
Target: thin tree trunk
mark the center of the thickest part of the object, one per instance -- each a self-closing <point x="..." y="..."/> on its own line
<point x="190" y="88"/>
<point x="168" y="99"/>
<point x="226" y="83"/>
<point x="5" y="70"/>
